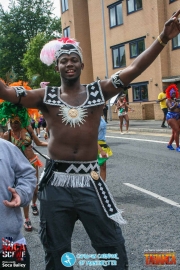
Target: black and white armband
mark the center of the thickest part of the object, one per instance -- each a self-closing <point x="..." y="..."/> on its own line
<point x="116" y="81"/>
<point x="20" y="92"/>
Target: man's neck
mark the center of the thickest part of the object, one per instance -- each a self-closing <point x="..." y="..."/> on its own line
<point x="70" y="85"/>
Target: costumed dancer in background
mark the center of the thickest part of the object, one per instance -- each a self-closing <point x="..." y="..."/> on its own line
<point x="21" y="134"/>
<point x="173" y="115"/>
<point x="122" y="113"/>
<point x="104" y="151"/>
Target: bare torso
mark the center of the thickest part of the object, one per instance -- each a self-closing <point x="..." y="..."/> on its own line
<point x="77" y="143"/>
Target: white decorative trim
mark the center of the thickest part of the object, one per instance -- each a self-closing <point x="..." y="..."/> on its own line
<point x="116" y="81"/>
<point x="116" y="217"/>
<point x="82" y="167"/>
<point x="60" y="179"/>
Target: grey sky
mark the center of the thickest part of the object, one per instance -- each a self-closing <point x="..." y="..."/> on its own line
<point x="56" y="5"/>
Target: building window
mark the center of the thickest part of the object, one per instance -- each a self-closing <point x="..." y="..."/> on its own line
<point x="171" y="1"/>
<point x="115" y="15"/>
<point x="136" y="47"/>
<point x="119" y="57"/>
<point x="66" y="32"/>
<point x="64" y="5"/>
<point x="176" y="42"/>
<point x="140" y="92"/>
<point x="134" y="5"/>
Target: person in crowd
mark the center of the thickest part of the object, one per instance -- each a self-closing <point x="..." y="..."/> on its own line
<point x="18" y="181"/>
<point x="21" y="135"/>
<point x="3" y="129"/>
<point x="34" y="124"/>
<point x="123" y="113"/>
<point x="104" y="151"/>
<point x="41" y="124"/>
<point x="163" y="105"/>
<point x="71" y="187"/>
<point x="105" y="111"/>
<point x="173" y="115"/>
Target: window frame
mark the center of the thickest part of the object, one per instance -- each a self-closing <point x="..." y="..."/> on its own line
<point x="68" y="31"/>
<point x="135" y="10"/>
<point x="178" y="47"/>
<point x="136" y="41"/>
<point x="114" y="5"/>
<point x="140" y="84"/>
<point x="65" y="4"/>
<point x="115" y="48"/>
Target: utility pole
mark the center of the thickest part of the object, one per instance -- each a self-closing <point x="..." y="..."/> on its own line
<point x="105" y="55"/>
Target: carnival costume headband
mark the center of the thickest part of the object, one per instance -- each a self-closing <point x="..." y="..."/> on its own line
<point x="55" y="48"/>
<point x="172" y="88"/>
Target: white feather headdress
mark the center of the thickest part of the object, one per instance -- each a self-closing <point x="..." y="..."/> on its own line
<point x="53" y="49"/>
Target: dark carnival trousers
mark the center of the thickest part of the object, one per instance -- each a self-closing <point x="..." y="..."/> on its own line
<point x="60" y="208"/>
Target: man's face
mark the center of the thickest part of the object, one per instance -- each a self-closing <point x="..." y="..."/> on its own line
<point x="69" y="66"/>
<point x="164" y="89"/>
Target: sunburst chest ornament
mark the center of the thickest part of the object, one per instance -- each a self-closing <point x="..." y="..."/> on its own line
<point x="73" y="116"/>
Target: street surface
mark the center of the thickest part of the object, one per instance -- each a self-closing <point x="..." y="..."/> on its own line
<point x="143" y="176"/>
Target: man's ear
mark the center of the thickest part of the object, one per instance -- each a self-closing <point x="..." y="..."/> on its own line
<point x="82" y="66"/>
<point x="56" y="69"/>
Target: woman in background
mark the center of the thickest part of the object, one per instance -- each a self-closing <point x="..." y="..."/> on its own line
<point x="173" y="115"/>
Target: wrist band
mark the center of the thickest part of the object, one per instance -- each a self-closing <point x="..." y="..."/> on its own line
<point x="20" y="92"/>
<point x="160" y="41"/>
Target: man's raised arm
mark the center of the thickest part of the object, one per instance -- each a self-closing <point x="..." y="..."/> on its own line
<point x="119" y="80"/>
<point x="19" y="95"/>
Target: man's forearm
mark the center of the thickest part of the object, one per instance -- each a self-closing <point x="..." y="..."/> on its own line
<point x="7" y="93"/>
<point x="141" y="63"/>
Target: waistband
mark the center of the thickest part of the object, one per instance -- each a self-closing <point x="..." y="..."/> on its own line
<point x="174" y="115"/>
<point x="75" y="167"/>
<point x="77" y="174"/>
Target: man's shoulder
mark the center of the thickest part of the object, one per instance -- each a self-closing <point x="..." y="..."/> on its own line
<point x="8" y="146"/>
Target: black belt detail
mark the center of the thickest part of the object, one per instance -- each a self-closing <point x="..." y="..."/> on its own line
<point x="63" y="167"/>
<point x="105" y="197"/>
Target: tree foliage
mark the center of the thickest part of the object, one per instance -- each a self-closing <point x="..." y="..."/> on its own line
<point x="36" y="70"/>
<point x="23" y="21"/>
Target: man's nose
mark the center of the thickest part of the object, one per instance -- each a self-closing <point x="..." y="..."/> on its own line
<point x="69" y="63"/>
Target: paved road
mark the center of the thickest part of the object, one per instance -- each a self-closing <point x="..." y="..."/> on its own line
<point x="141" y="160"/>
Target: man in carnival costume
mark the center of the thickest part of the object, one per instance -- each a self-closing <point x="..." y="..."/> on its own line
<point x="73" y="189"/>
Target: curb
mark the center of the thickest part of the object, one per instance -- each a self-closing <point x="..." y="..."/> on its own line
<point x="150" y="130"/>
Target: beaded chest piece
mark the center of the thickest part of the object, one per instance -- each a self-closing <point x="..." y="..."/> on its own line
<point x="74" y="115"/>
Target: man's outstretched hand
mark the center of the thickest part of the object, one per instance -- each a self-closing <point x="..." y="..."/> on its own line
<point x="171" y="27"/>
<point x="15" y="201"/>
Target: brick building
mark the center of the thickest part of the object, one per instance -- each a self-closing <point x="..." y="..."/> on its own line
<point x="113" y="33"/>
